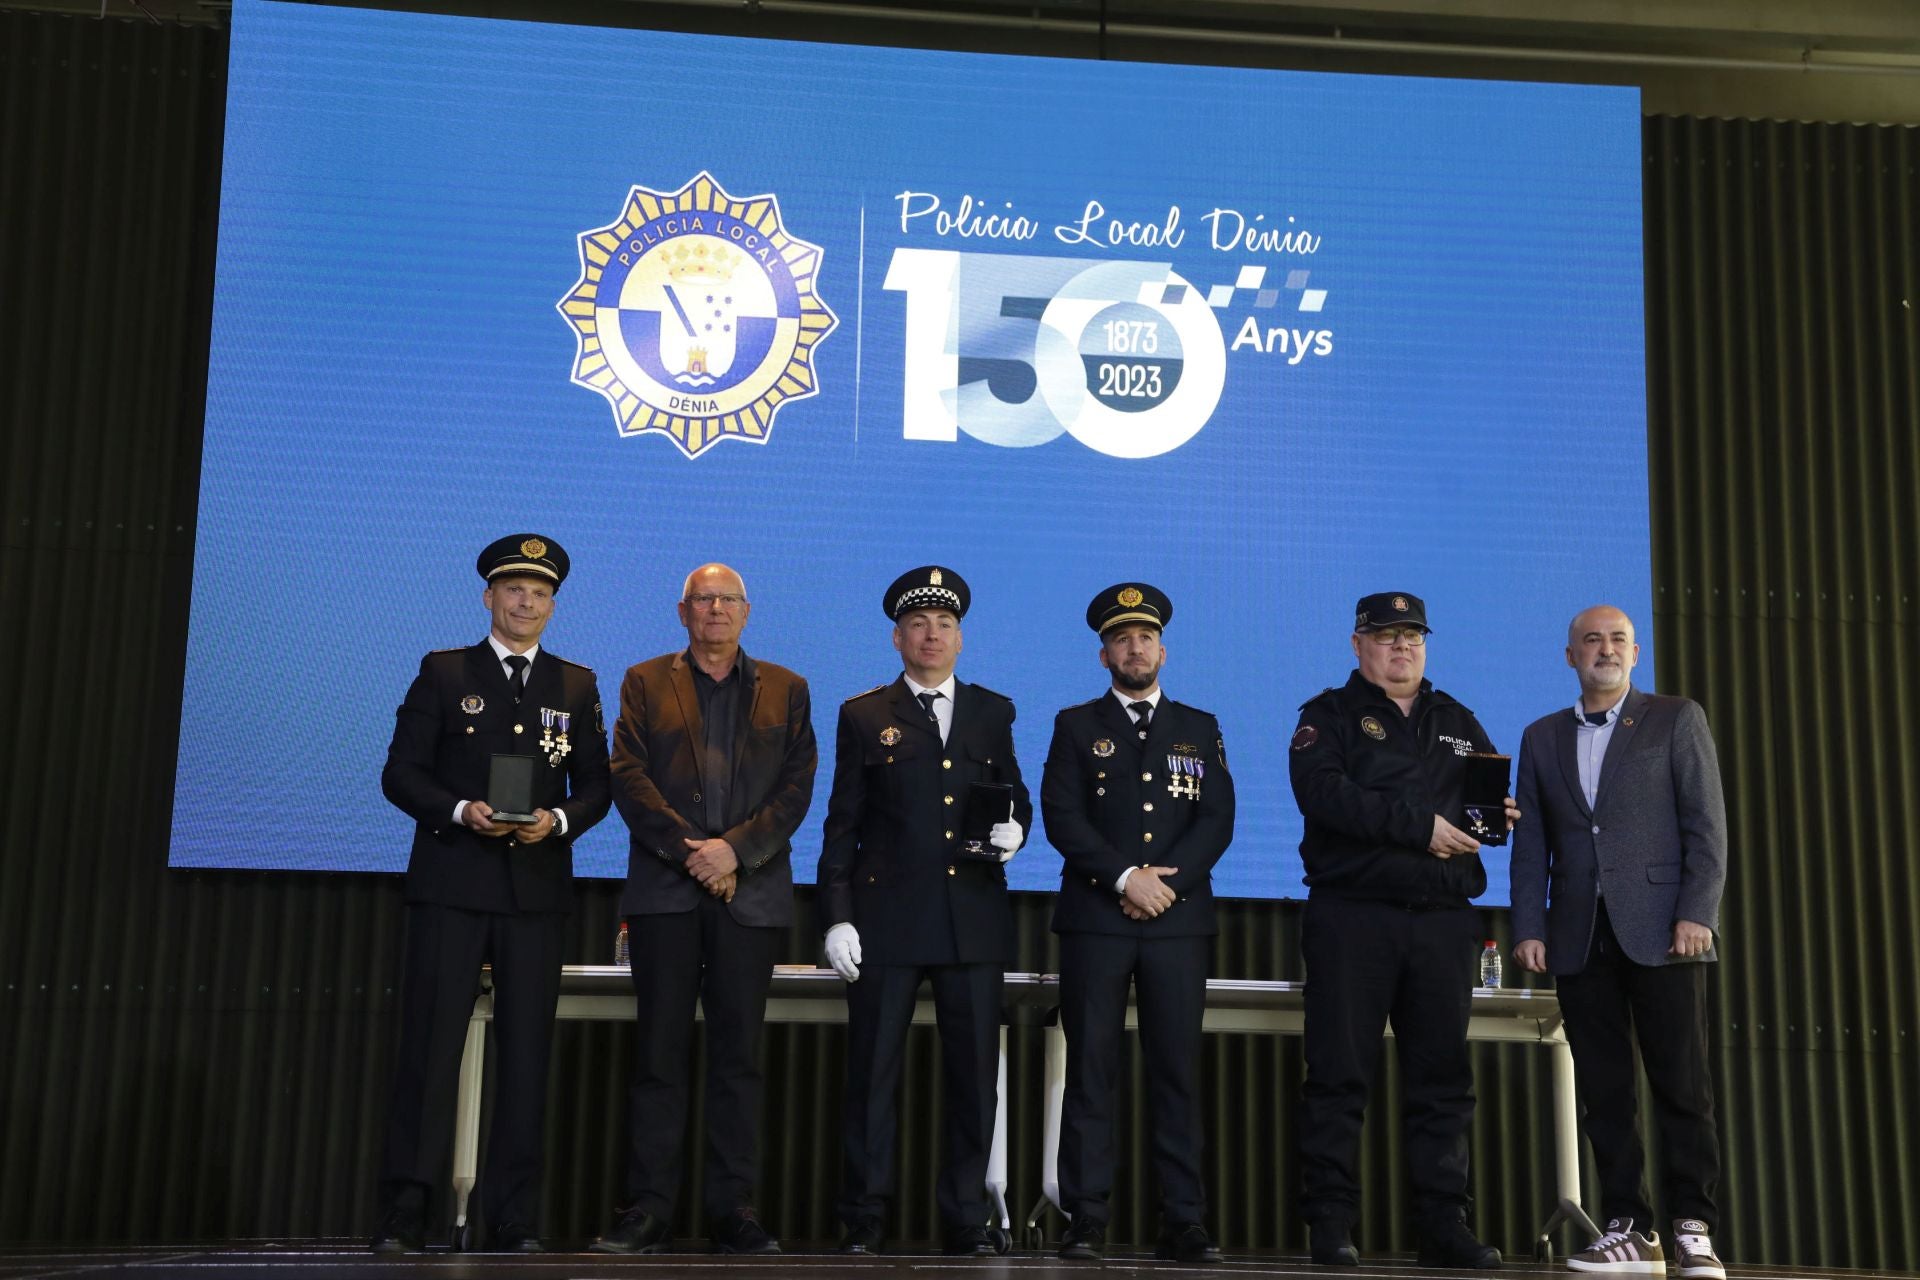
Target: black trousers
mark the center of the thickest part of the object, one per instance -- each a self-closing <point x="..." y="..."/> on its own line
<point x="966" y="1004"/>
<point x="445" y="948"/>
<point x="1604" y="1005"/>
<point x="1170" y="975"/>
<point x="699" y="954"/>
<point x="1369" y="963"/>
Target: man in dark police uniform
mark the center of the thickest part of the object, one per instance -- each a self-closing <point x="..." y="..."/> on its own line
<point x="1378" y="766"/>
<point x="902" y="900"/>
<point x="480" y="890"/>
<point x="1137" y="799"/>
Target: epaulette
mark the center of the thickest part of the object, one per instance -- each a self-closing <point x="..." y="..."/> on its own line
<point x="569" y="662"/>
<point x="1190" y="707"/>
<point x="866" y="693"/>
<point x="980" y="688"/>
<point x="461" y="649"/>
<point x="1323" y="693"/>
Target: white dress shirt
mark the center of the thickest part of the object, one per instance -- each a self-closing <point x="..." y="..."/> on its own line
<point x="501" y="652"/>
<point x="1126" y="704"/>
<point x="942" y="705"/>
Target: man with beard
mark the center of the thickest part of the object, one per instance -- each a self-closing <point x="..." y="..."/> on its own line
<point x="903" y="901"/>
<point x="1630" y="830"/>
<point x="1137" y="799"/>
<point x="1379" y="768"/>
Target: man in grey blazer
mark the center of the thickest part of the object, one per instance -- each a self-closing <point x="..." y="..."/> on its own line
<point x="1626" y="833"/>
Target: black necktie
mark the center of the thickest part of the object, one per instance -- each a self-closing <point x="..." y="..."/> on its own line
<point x="1595" y="718"/>
<point x="1142" y="712"/>
<point x="926" y="700"/>
<point x="518" y="679"/>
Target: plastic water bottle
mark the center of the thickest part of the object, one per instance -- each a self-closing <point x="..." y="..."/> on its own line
<point x="1490" y="965"/>
<point x="623" y="958"/>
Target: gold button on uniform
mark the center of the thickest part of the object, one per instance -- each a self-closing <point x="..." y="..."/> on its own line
<point x="949" y="836"/>
<point x="1148" y="806"/>
<point x="946" y="799"/>
<point x="469" y="728"/>
<point x="1148" y="837"/>
<point x="1101" y="774"/>
<point x="517" y="729"/>
<point x="946" y="764"/>
<point x="950" y="871"/>
<point x="1146" y="777"/>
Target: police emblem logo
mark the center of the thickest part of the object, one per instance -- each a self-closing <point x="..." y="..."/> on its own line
<point x="1103" y="748"/>
<point x="934" y="578"/>
<point x="889" y="736"/>
<point x="1129" y="598"/>
<point x="1372" y="728"/>
<point x="696" y="315"/>
<point x="1400" y="604"/>
<point x="473" y="704"/>
<point x="533" y="548"/>
<point x="1305" y="736"/>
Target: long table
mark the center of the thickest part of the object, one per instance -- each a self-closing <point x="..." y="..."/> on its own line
<point x="803" y="994"/>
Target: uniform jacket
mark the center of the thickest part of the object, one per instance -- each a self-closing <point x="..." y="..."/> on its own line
<point x="1111" y="801"/>
<point x="657" y="784"/>
<point x="888" y="861"/>
<point x="1369" y="781"/>
<point x="1654" y="844"/>
<point x="458" y="714"/>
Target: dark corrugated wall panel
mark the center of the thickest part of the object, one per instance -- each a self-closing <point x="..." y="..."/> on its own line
<point x="1784" y="395"/>
<point x="201" y="1057"/>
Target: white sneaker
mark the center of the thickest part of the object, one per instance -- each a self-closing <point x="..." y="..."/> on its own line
<point x="1694" y="1251"/>
<point x="1622" y="1251"/>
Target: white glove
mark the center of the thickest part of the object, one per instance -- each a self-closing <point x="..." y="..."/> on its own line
<point x="843" y="951"/>
<point x="1006" y="837"/>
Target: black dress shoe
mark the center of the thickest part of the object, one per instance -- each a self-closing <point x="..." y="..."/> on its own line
<point x="636" y="1232"/>
<point x="969" y="1242"/>
<point x="401" y="1231"/>
<point x="860" y="1238"/>
<point x="741" y="1232"/>
<point x="1446" y="1242"/>
<point x="516" y="1237"/>
<point x="1186" y="1242"/>
<point x="1330" y="1240"/>
<point x="1085" y="1241"/>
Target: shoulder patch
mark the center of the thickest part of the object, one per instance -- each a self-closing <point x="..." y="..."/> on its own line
<point x="1305" y="736"/>
<point x="866" y="693"/>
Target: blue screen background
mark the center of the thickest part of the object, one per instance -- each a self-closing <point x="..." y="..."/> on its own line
<point x="390" y="390"/>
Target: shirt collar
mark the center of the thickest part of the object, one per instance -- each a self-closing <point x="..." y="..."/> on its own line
<point x="501" y="652"/>
<point x="1613" y="712"/>
<point x="944" y="688"/>
<point x="1128" y="699"/>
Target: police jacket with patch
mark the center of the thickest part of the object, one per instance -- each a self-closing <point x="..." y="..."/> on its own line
<point x="890" y="860"/>
<point x="1369" y="781"/>
<point x="458" y="713"/>
<point x="1112" y="801"/>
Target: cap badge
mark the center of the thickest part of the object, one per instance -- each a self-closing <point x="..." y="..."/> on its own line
<point x="473" y="704"/>
<point x="1400" y="604"/>
<point x="533" y="548"/>
<point x="889" y="736"/>
<point x="1130" y="597"/>
<point x="1103" y="748"/>
<point x="1373" y="728"/>
<point x="933" y="579"/>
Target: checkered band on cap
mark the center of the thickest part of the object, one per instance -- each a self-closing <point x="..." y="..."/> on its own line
<point x="926" y="598"/>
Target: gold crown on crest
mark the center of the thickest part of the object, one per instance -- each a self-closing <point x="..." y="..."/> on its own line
<point x="701" y="261"/>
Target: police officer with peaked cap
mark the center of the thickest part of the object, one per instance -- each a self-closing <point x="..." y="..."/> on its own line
<point x="902" y="901"/>
<point x="480" y="890"/>
<point x="1138" y="801"/>
<point x="1378" y="766"/>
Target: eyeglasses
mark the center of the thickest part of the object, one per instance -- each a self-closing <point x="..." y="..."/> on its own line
<point x="706" y="600"/>
<point x="1409" y="635"/>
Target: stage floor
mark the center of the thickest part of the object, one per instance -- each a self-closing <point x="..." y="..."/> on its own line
<point x="349" y="1260"/>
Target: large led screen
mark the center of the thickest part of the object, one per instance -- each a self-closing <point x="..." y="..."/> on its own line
<point x="1268" y="340"/>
